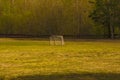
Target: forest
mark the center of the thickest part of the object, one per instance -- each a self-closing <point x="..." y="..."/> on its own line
<point x="83" y="18"/>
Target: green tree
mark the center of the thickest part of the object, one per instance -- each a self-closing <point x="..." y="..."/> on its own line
<point x="106" y="13"/>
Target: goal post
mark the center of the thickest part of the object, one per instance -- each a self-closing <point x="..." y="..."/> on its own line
<point x="57" y="40"/>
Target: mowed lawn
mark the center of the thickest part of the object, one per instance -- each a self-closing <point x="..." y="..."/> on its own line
<point x="35" y="59"/>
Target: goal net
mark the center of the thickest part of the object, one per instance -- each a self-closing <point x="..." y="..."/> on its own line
<point x="56" y="40"/>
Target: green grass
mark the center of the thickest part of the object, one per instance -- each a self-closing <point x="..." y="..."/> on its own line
<point x="34" y="59"/>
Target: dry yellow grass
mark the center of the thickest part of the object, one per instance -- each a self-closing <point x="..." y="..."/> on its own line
<point x="25" y="59"/>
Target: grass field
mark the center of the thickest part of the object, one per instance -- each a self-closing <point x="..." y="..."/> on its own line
<point x="34" y="59"/>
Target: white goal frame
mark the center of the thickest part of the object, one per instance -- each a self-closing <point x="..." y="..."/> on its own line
<point x="57" y="40"/>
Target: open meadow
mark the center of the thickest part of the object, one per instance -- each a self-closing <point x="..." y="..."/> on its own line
<point x="35" y="59"/>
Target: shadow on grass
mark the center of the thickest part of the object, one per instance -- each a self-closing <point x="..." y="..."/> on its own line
<point x="72" y="76"/>
<point x="1" y="78"/>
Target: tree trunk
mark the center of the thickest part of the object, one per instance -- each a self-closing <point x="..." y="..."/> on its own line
<point x="111" y="21"/>
<point x="77" y="16"/>
<point x="25" y="2"/>
<point x="111" y="27"/>
<point x="11" y="6"/>
<point x="112" y="31"/>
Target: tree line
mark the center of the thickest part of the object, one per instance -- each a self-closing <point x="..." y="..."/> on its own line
<point x="106" y="13"/>
<point x="60" y="17"/>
